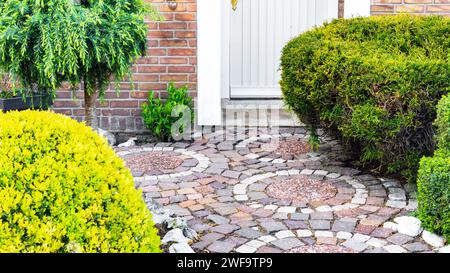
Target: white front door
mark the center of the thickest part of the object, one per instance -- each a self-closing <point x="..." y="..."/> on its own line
<point x="259" y="29"/>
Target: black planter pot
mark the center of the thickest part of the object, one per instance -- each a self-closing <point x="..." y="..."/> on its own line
<point x="39" y="101"/>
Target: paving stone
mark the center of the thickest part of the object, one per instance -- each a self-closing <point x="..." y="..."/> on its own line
<point x="200" y="227"/>
<point x="225" y="210"/>
<point x="416" y="247"/>
<point x="374" y="220"/>
<point x="295" y="224"/>
<point x="376" y="242"/>
<point x="177" y="198"/>
<point x="268" y="250"/>
<point x="273" y="226"/>
<point x="201" y="244"/>
<point x="221" y="247"/>
<point x="224" y="228"/>
<point x="363" y="229"/>
<point x="284" y="234"/>
<point x="343" y="226"/>
<point x="263" y="213"/>
<point x="231" y="174"/>
<point x="394" y="249"/>
<point x="267" y="238"/>
<point x="246" y="249"/>
<point x="236" y="240"/>
<point x="342" y="235"/>
<point x="225" y="146"/>
<point x="280" y="216"/>
<point x="320" y="224"/>
<point x="212" y="237"/>
<point x="287" y="209"/>
<point x="382" y="232"/>
<point x="356" y="245"/>
<point x="255" y="243"/>
<point x="322" y="216"/>
<point x="321" y="233"/>
<point x="304" y="233"/>
<point x="256" y="195"/>
<point x="288" y="243"/>
<point x="326" y="240"/>
<point x="399" y="239"/>
<point x="299" y="216"/>
<point x="361" y="237"/>
<point x="375" y="250"/>
<point x="249" y="233"/>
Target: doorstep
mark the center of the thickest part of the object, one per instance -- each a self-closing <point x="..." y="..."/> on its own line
<point x="257" y="113"/>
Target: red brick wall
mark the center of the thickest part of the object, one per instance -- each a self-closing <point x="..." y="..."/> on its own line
<point x="441" y="7"/>
<point x="171" y="56"/>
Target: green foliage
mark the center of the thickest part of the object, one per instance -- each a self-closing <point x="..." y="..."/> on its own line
<point x="434" y="179"/>
<point x="443" y="123"/>
<point x="160" y="117"/>
<point x="44" y="43"/>
<point x="63" y="189"/>
<point x="373" y="82"/>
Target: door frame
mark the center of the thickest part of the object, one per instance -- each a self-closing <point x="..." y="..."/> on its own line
<point x="213" y="53"/>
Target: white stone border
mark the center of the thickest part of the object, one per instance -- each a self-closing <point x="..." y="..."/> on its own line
<point x="203" y="162"/>
<point x="359" y="198"/>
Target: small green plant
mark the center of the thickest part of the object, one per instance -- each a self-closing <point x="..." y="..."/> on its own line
<point x="172" y="118"/>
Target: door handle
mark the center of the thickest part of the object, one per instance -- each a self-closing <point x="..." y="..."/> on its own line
<point x="234" y="4"/>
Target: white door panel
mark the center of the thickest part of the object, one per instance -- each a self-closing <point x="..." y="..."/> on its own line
<point x="259" y="29"/>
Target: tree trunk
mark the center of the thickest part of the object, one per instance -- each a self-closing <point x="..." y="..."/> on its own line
<point x="89" y="107"/>
<point x="341" y="8"/>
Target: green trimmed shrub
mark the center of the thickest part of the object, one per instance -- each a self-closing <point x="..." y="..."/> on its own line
<point x="434" y="178"/>
<point x="374" y="83"/>
<point x="63" y="189"/>
<point x="443" y="123"/>
<point x="166" y="120"/>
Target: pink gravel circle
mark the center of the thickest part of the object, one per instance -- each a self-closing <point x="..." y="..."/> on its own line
<point x="321" y="249"/>
<point x="152" y="162"/>
<point x="301" y="188"/>
<point x="287" y="147"/>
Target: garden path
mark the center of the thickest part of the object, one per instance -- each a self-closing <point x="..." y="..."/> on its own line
<point x="256" y="191"/>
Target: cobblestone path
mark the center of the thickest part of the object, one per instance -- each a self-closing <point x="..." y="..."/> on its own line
<point x="262" y="193"/>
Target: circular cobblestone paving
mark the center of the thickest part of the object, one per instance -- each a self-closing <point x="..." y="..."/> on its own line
<point x="309" y="190"/>
<point x="301" y="188"/>
<point x="287" y="149"/>
<point x="156" y="163"/>
<point x="239" y="200"/>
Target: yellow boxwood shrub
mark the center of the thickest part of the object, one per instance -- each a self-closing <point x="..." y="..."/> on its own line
<point x="63" y="189"/>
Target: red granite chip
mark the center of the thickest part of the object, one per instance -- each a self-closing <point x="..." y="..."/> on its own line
<point x="321" y="249"/>
<point x="287" y="147"/>
<point x="153" y="162"/>
<point x="301" y="188"/>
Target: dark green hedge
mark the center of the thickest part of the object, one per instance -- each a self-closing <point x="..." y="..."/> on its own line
<point x="434" y="178"/>
<point x="373" y="82"/>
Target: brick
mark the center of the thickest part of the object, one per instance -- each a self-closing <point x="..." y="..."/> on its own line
<point x="171" y="55"/>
